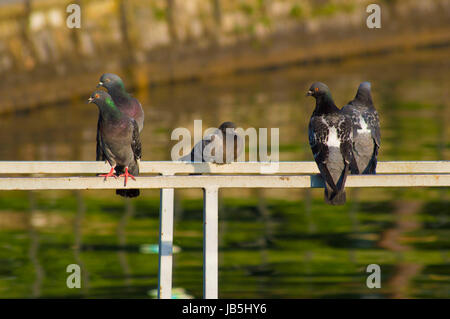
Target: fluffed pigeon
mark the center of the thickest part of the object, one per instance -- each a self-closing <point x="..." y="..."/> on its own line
<point x="366" y="130"/>
<point x="215" y="147"/>
<point x="330" y="138"/>
<point x="119" y="141"/>
<point x="123" y="100"/>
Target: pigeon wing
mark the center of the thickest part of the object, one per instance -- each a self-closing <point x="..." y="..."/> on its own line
<point x="213" y="144"/>
<point x="196" y="154"/>
<point x="318" y="135"/>
<point x="136" y="141"/>
<point x="373" y="122"/>
<point x="354" y="113"/>
<point x="345" y="135"/>
<point x="100" y="156"/>
<point x="139" y="113"/>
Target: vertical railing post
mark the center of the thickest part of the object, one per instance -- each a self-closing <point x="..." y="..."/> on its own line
<point x="165" y="243"/>
<point x="210" y="243"/>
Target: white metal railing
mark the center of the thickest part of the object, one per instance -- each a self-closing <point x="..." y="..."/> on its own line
<point x="287" y="175"/>
<point x="171" y="168"/>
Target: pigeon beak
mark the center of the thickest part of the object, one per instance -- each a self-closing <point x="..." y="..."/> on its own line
<point x="90" y="100"/>
<point x="99" y="84"/>
<point x="309" y="93"/>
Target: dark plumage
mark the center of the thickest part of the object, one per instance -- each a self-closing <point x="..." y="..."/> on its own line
<point x="214" y="147"/>
<point x="127" y="104"/>
<point x="330" y="137"/>
<point x="119" y="140"/>
<point x="366" y="130"/>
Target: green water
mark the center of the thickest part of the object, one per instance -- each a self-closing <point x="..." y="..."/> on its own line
<point x="273" y="243"/>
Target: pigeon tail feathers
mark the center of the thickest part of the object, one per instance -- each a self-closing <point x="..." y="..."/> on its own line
<point x="130" y="193"/>
<point x="333" y="198"/>
<point x="134" y="170"/>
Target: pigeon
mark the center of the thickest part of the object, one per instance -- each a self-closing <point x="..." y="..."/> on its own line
<point x="123" y="100"/>
<point x="330" y="138"/>
<point x="215" y="147"/>
<point x="120" y="143"/>
<point x="366" y="130"/>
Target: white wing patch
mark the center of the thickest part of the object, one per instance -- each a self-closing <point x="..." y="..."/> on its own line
<point x="333" y="140"/>
<point x="364" y="129"/>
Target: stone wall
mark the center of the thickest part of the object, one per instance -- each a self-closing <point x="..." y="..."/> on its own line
<point x="160" y="41"/>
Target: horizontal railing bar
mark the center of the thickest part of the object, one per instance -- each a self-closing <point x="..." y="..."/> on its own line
<point x="233" y="181"/>
<point x="171" y="168"/>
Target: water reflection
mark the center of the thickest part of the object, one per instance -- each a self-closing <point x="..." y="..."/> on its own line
<point x="121" y="236"/>
<point x="274" y="243"/>
<point x="33" y="251"/>
<point x="78" y="245"/>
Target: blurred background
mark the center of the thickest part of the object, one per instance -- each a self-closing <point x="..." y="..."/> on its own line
<point x="251" y="62"/>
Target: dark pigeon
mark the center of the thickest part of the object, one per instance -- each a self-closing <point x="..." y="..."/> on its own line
<point x="214" y="147"/>
<point x="120" y="143"/>
<point x="123" y="100"/>
<point x="330" y="137"/>
<point x="366" y="130"/>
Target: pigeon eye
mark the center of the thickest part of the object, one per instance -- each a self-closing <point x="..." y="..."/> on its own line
<point x="97" y="96"/>
<point x="316" y="89"/>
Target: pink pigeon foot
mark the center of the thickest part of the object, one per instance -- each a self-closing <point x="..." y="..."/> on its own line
<point x="126" y="175"/>
<point x="110" y="174"/>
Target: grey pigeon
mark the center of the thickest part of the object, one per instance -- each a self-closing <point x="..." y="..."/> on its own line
<point x="215" y="147"/>
<point x="366" y="130"/>
<point x="330" y="138"/>
<point x="119" y="141"/>
<point x="123" y="100"/>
